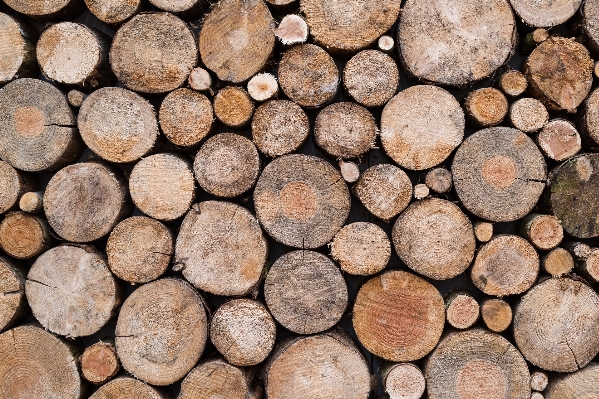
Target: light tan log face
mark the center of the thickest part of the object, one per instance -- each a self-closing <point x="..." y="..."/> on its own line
<point x="127" y="387"/>
<point x="361" y="248"/>
<point x="216" y="379"/>
<point x="186" y="117"/>
<point x="583" y="384"/>
<point x="17" y="49"/>
<point x="279" y="127"/>
<point x="114" y="12"/>
<point x="546" y="14"/>
<point x="371" y="78"/>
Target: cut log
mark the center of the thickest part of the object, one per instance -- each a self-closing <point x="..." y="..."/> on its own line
<point x="506" y="265"/>
<point x="132" y="131"/>
<point x="371" y="78"/>
<point x="53" y="10"/>
<point x="200" y="79"/>
<point x="71" y="290"/>
<point x="486" y="107"/>
<point x="127" y="387"/>
<point x="349" y="170"/>
<point x="308" y="75"/>
<point x="543" y="231"/>
<point x="17" y="49"/>
<point x="421" y="126"/>
<point x="279" y="127"/>
<point x="385" y="190"/>
<point x="115" y="12"/>
<point x="434" y="238"/>
<point x="546" y="14"/>
<point x="186" y="117"/>
<point x="402" y="380"/>
<point x="24" y="236"/>
<point x="83" y="202"/>
<point x="161" y="331"/>
<point x="439" y="180"/>
<point x="237" y="39"/>
<point x="581" y="384"/>
<point x="227" y="165"/>
<point x="558" y="262"/>
<point x="345" y="130"/>
<point x="421" y="191"/>
<point x="590" y="24"/>
<point x="282" y="7"/>
<point x="99" y="362"/>
<point x="588" y="268"/>
<point x="361" y="248"/>
<point x="73" y="54"/>
<point x="386" y="44"/>
<point x="186" y="9"/>
<point x="327" y="365"/>
<point x="139" y="249"/>
<point x="589" y="126"/>
<point x="14" y="184"/>
<point x="243" y="331"/>
<point x="153" y="53"/>
<point x="532" y="40"/>
<point x="499" y="174"/>
<point x="556" y="325"/>
<point x="263" y="87"/>
<point x="560" y="73"/>
<point x="76" y="98"/>
<point x="573" y="190"/>
<point x="234" y="107"/>
<point x="483" y="231"/>
<point x="37" y="364"/>
<point x="344" y="28"/>
<point x="539" y="381"/>
<point x="13" y="305"/>
<point x="537" y="395"/>
<point x="292" y="30"/>
<point x="301" y="201"/>
<point x="559" y="140"/>
<point x="476" y="364"/>
<point x="512" y="83"/>
<point x="579" y="250"/>
<point x="37" y="126"/>
<point x="305" y="292"/>
<point x="399" y="316"/>
<point x="462" y="310"/>
<point x="496" y="314"/>
<point x="528" y="115"/>
<point x="217" y="379"/>
<point x="221" y="249"/>
<point x="455" y="42"/>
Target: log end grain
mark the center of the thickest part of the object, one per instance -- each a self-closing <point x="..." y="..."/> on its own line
<point x="558" y="262"/>
<point x="216" y="378"/>
<point x="528" y="115"/>
<point x="545" y="232"/>
<point x="262" y="87"/>
<point x="486" y="107"/>
<point x="421" y="191"/>
<point x="24" y="236"/>
<point x="513" y="83"/>
<point x="99" y="363"/>
<point x="233" y="107"/>
<point x="386" y="44"/>
<point x="47" y="11"/>
<point x="199" y="79"/>
<point x="127" y="386"/>
<point x="583" y="383"/>
<point x="293" y="29"/>
<point x="349" y="170"/>
<point x="483" y="231"/>
<point x="545" y="15"/>
<point x="589" y="267"/>
<point x="371" y="78"/>
<point x="539" y="381"/>
<point x="76" y="98"/>
<point x="403" y="381"/>
<point x="462" y="310"/>
<point x="17" y="49"/>
<point x="13" y="304"/>
<point x="439" y="180"/>
<point x="12" y="184"/>
<point x="186" y="117"/>
<point x="496" y="314"/>
<point x="559" y="140"/>
<point x="361" y="248"/>
<point x="114" y="12"/>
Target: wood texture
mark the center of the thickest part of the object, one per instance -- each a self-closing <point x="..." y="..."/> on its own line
<point x="402" y="380"/>
<point x="581" y="384"/>
<point x="386" y="44"/>
<point x="186" y="117"/>
<point x="349" y="170"/>
<point x="24" y="236"/>
<point x="13" y="304"/>
<point x="199" y="79"/>
<point x="590" y="23"/>
<point x="14" y="184"/>
<point x="127" y="387"/>
<point x="292" y="29"/>
<point x="47" y="10"/>
<point x="462" y="310"/>
<point x="216" y="378"/>
<point x="559" y="140"/>
<point x="486" y="107"/>
<point x="439" y="180"/>
<point x="528" y="115"/>
<point x="589" y="125"/>
<point x="99" y="362"/>
<point x="361" y="248"/>
<point x="371" y="78"/>
<point x="263" y="87"/>
<point x="539" y="381"/>
<point x="513" y="83"/>
<point x="545" y="232"/>
<point x="483" y="231"/>
<point x="421" y="191"/>
<point x="76" y="98"/>
<point x="114" y="12"/>
<point x="558" y="262"/>
<point x="17" y="49"/>
<point x="186" y="9"/>
<point x="233" y="107"/>
<point x="496" y="314"/>
<point x="589" y="267"/>
<point x="546" y="14"/>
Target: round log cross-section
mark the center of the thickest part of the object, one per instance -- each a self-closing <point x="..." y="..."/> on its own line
<point x="51" y="10"/>
<point x="99" y="362"/>
<point x="559" y="139"/>
<point x="114" y="12"/>
<point x="496" y="314"/>
<point x="486" y="107"/>
<point x="371" y="78"/>
<point x="545" y="14"/>
<point x="402" y="380"/>
<point x="24" y="236"/>
<point x="361" y="248"/>
<point x="186" y="117"/>
<point x="14" y="184"/>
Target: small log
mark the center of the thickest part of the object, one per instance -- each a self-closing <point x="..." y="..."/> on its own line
<point x="281" y="7"/>
<point x="327" y="365"/>
<point x="402" y="380"/>
<point x="499" y="174"/>
<point x="14" y="184"/>
<point x="24" y="236"/>
<point x="532" y="40"/>
<point x="186" y="9"/>
<point x="237" y="39"/>
<point x="558" y="262"/>
<point x="483" y="231"/>
<point x="76" y="98"/>
<point x="537" y="395"/>
<point x="153" y="53"/>
<point x="583" y="383"/>
<point x="361" y="248"/>
<point x="469" y="43"/>
<point x="199" y="79"/>
<point x="421" y="126"/>
<point x="555" y="325"/>
<point x="386" y="44"/>
<point x="398" y="316"/>
<point x="579" y="250"/>
<point x="543" y="231"/>
<point x="133" y="128"/>
<point x="233" y="107"/>
<point x="13" y="305"/>
<point x="71" y="291"/>
<point x="292" y="29"/>
<point x="308" y="75"/>
<point x="349" y="170"/>
<point x="506" y="265"/>
<point x="221" y="249"/>
<point x="262" y="87"/>
<point x="385" y="190"/>
<point x="17" y="49"/>
<point x="462" y="310"/>
<point x="305" y="292"/>
<point x="496" y="314"/>
<point x="217" y="379"/>
<point x="434" y="238"/>
<point x="139" y="249"/>
<point x="560" y="73"/>
<point x="559" y="140"/>
<point x="301" y="201"/>
<point x="513" y="83"/>
<point x="545" y="15"/>
<point x="186" y="117"/>
<point x="421" y="191"/>
<point x="37" y="364"/>
<point x="476" y="364"/>
<point x="279" y="127"/>
<point x="243" y="331"/>
<point x="439" y="180"/>
<point x="161" y="331"/>
<point x="53" y="10"/>
<point x="83" y="202"/>
<point x="37" y="126"/>
<point x="590" y="16"/>
<point x="99" y="362"/>
<point x="115" y="12"/>
<point x="371" y="78"/>
<point x="127" y="387"/>
<point x="539" y="381"/>
<point x="486" y="107"/>
<point x="528" y="115"/>
<point x="588" y="267"/>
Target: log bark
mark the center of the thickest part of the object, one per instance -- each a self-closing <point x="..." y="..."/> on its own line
<point x="556" y="325"/>
<point x="127" y="387"/>
<point x="54" y="10"/>
<point x="37" y="126"/>
<point x="559" y="140"/>
<point x="459" y="47"/>
<point x="462" y="310"/>
<point x="24" y="236"/>
<point x="349" y="170"/>
<point x="292" y="29"/>
<point x="361" y="248"/>
<point x="439" y="180"/>
<point x="545" y="232"/>
<point x="513" y="83"/>
<point x="421" y="126"/>
<point x="499" y="174"/>
<point x="589" y="267"/>
<point x="385" y="190"/>
<point x="483" y="231"/>
<point x="233" y="107"/>
<point x="14" y="184"/>
<point x="115" y="12"/>
<point x="243" y="331"/>
<point x="402" y="380"/>
<point x="506" y="265"/>
<point x="476" y="364"/>
<point x="398" y="316"/>
<point x="305" y="292"/>
<point x="538" y="381"/>
<point x="263" y="87"/>
<point x="71" y="291"/>
<point x="558" y="262"/>
<point x="161" y="331"/>
<point x="308" y="76"/>
<point x="17" y="49"/>
<point x="371" y="78"/>
<point x="200" y="80"/>
<point x="217" y="379"/>
<point x="496" y="314"/>
<point x="186" y="117"/>
<point x="581" y="384"/>
<point x="528" y="115"/>
<point x="13" y="305"/>
<point x="237" y="39"/>
<point x="220" y="249"/>
<point x="279" y="127"/>
<point x="76" y="98"/>
<point x="139" y="249"/>
<point x="99" y="362"/>
<point x="83" y="202"/>
<point x="486" y="107"/>
<point x="186" y="9"/>
<point x="301" y="201"/>
<point x="153" y="53"/>
<point x="545" y="15"/>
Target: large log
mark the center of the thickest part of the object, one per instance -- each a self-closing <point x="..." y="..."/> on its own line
<point x="127" y="387"/>
<point x="17" y="49"/>
<point x="279" y="127"/>
<point x="186" y="117"/>
<point x="51" y="10"/>
<point x="583" y="383"/>
<point x="13" y="305"/>
<point x="24" y="236"/>
<point x="361" y="248"/>
<point x="371" y="78"/>
<point x="215" y="378"/>
<point x="14" y="184"/>
<point x="545" y="14"/>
